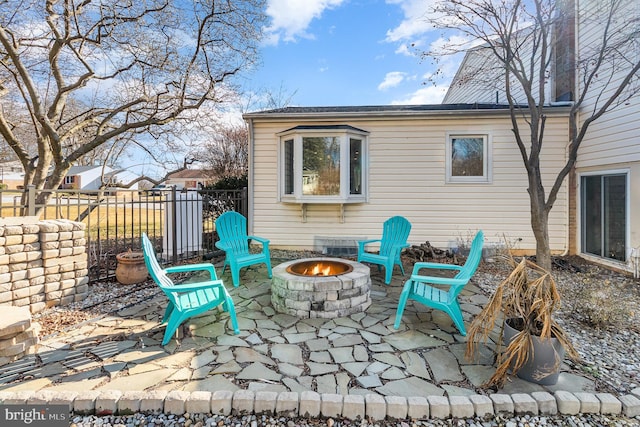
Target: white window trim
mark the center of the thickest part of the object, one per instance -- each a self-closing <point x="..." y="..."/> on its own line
<point x="487" y="139"/>
<point x="344" y="135"/>
<point x="628" y="249"/>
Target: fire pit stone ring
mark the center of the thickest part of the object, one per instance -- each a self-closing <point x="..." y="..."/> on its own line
<point x="299" y="290"/>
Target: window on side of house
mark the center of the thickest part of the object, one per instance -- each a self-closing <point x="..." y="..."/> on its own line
<point x="468" y="158"/>
<point x="604" y="215"/>
<point x="323" y="164"/>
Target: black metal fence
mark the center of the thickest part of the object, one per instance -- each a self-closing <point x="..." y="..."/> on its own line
<point x="181" y="223"/>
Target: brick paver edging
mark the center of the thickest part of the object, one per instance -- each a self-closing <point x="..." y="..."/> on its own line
<point x="312" y="404"/>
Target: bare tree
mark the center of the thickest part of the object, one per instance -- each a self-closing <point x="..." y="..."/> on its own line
<point x="527" y="46"/>
<point x="130" y="69"/>
<point x="226" y="153"/>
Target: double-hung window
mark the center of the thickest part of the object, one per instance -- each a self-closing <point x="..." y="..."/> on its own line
<point x="323" y="164"/>
<point x="468" y="158"/>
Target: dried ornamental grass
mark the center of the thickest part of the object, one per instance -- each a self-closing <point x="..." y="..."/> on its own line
<point x="528" y="293"/>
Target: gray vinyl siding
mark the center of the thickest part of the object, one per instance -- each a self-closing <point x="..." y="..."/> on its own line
<point x="614" y="137"/>
<point x="406" y="172"/>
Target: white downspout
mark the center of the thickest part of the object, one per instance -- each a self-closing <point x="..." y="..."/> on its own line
<point x="250" y="177"/>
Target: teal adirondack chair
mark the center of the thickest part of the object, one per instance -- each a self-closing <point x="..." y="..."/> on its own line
<point x="189" y="299"/>
<point x="418" y="287"/>
<point x="395" y="233"/>
<point x="232" y="231"/>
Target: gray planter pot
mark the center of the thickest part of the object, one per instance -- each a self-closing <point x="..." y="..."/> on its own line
<point x="543" y="366"/>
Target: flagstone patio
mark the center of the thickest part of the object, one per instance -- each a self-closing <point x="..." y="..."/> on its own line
<point x="358" y="354"/>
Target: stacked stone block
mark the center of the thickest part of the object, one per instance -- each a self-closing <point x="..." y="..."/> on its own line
<point x="18" y="335"/>
<point x="42" y="263"/>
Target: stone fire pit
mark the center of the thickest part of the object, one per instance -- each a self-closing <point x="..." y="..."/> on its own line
<point x="321" y="287"/>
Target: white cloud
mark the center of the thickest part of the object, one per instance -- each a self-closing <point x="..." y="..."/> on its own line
<point x="415" y="19"/>
<point x="291" y="18"/>
<point x="392" y="79"/>
<point x="425" y="95"/>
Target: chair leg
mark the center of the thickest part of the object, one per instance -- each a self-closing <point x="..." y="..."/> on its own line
<point x="232" y="315"/>
<point x="402" y="302"/>
<point x="455" y="313"/>
<point x="388" y="272"/>
<point x="235" y="275"/>
<point x="175" y="320"/>
<point x="268" y="263"/>
<point x="167" y="312"/>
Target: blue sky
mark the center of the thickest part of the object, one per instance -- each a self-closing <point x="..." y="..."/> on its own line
<point x="350" y="52"/>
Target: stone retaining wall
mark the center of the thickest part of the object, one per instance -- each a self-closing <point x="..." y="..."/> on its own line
<point x="310" y="404"/>
<point x="42" y="263"/>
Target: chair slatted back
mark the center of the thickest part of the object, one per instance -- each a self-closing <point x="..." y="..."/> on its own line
<point x="157" y="273"/>
<point x="395" y="230"/>
<point x="232" y="230"/>
<point x="475" y="255"/>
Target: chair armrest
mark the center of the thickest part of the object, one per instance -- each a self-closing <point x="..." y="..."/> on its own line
<point x="363" y="243"/>
<point x="259" y="239"/>
<point x="434" y="266"/>
<point x="434" y="280"/>
<point x="193" y="267"/>
<point x="189" y="287"/>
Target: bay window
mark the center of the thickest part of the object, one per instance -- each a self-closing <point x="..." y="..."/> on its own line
<point x="322" y="164"/>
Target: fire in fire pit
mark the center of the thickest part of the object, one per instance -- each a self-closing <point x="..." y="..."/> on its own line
<point x="319" y="268"/>
<point x="321" y="287"/>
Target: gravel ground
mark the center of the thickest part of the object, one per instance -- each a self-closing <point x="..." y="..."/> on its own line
<point x="201" y="420"/>
<point x="600" y="311"/>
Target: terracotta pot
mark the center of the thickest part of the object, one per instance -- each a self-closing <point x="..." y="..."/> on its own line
<point x="543" y="366"/>
<point x="131" y="268"/>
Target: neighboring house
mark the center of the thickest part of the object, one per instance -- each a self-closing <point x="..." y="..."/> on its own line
<point x="190" y="178"/>
<point x="323" y="175"/>
<point x="90" y="178"/>
<point x="604" y="213"/>
<point x="12" y="175"/>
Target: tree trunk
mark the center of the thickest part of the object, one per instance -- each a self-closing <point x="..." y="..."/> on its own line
<point x="540" y="227"/>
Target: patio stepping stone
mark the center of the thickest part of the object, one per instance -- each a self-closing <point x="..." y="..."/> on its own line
<point x="369" y="381"/>
<point x="224" y="356"/>
<point x="290" y="370"/>
<point x="443" y="365"/>
<point x="370" y="337"/>
<point x="319" y="344"/>
<point x="138" y="382"/>
<point x="321" y="368"/>
<point x="285" y="320"/>
<point x="108" y="349"/>
<point x="347" y="322"/>
<point x="377" y="367"/>
<point x="287" y="353"/>
<point x="415" y="365"/>
<point x="258" y="371"/>
<point x="320" y="357"/>
<point x="298" y="338"/>
<point x="232" y="341"/>
<point x="202" y="359"/>
<point x="360" y="353"/>
<point x="231" y="367"/>
<point x="393" y="373"/>
<point x="389" y="359"/>
<point x="347" y="340"/>
<point x="355" y="368"/>
<point x="244" y="355"/>
<point x="213" y="383"/>
<point x="411" y="340"/>
<point x="141" y="356"/>
<point x="326" y="384"/>
<point x="342" y="354"/>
